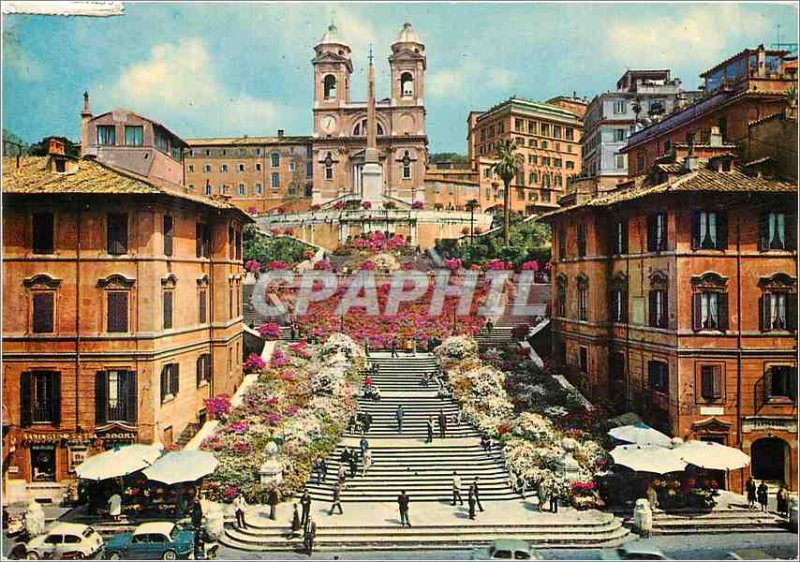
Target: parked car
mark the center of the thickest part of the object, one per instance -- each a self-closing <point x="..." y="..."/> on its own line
<point x="638" y="550"/>
<point x="152" y="541"/>
<point x="506" y="549"/>
<point x="750" y="554"/>
<point x="65" y="540"/>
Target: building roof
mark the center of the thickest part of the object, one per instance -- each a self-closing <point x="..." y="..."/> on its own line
<point x="92" y="178"/>
<point x="702" y="180"/>
<point x="778" y="115"/>
<point x="740" y="54"/>
<point x="407" y="35"/>
<point x="543" y="110"/>
<point x="332" y="37"/>
<point x="142" y="117"/>
<point x="245" y="141"/>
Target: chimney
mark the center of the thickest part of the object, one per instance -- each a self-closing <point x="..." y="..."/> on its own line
<point x="690" y="161"/>
<point x="86" y="116"/>
<point x="56" y="148"/>
<point x="280" y="133"/>
<point x="715" y="137"/>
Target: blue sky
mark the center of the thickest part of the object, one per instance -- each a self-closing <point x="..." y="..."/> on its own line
<point x="229" y="69"/>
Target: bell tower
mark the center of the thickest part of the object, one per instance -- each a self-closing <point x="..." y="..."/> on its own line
<point x="407" y="63"/>
<point x="332" y="70"/>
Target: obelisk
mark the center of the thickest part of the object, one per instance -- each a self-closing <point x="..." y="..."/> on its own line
<point x="372" y="172"/>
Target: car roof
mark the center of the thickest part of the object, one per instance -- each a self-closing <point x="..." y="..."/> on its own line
<point x="642" y="547"/>
<point x="510" y="544"/>
<point x="160" y="527"/>
<point x="64" y="528"/>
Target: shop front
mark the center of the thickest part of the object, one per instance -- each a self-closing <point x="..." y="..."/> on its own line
<point x="771" y="442"/>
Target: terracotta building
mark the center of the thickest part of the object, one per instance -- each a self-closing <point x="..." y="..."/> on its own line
<point x="548" y="138"/>
<point x="259" y="174"/>
<point x="747" y="87"/>
<point x="450" y="188"/>
<point x="573" y="104"/>
<point x="122" y="310"/>
<point x="676" y="296"/>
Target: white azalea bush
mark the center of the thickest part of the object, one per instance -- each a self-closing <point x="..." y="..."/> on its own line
<point x="386" y="262"/>
<point x="457" y="348"/>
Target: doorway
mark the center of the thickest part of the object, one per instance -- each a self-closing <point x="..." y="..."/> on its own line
<point x="769" y="459"/>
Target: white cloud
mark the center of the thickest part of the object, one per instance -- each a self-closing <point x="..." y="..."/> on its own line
<point x="703" y="34"/>
<point x="179" y="86"/>
<point x="460" y="82"/>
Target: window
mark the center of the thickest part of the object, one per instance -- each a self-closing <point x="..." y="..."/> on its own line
<point x="117" y="233"/>
<point x="170" y="381"/>
<point x="658" y="376"/>
<point x="619" y="238"/>
<point x="203" y="369"/>
<point x="191" y="167"/>
<point x="709" y="302"/>
<point x="258" y="166"/>
<point x="711" y="382"/>
<point x="258" y="189"/>
<point x="545" y="160"/>
<point x="240" y="167"/>
<point x="532" y="127"/>
<point x="406" y="85"/>
<point x="202" y="240"/>
<point x="202" y="306"/>
<point x="583" y="359"/>
<point x="619" y="107"/>
<point x="162" y="142"/>
<point x="519" y="125"/>
<point x="619" y="305"/>
<point x="619" y="162"/>
<point x="561" y="296"/>
<point x="546" y="196"/>
<point x="223" y="168"/>
<point x="309" y="170"/>
<point x="406" y="166"/>
<point x="557" y="163"/>
<point x="569" y="133"/>
<point x="169" y="228"/>
<point x="328" y="167"/>
<point x="115" y="396"/>
<point x="658" y="308"/>
<point x="275" y="181"/>
<point x="40" y="397"/>
<point x="329" y="87"/>
<point x="556" y="131"/>
<point x="43" y="312"/>
<point x="166" y="302"/>
<point x="582" y="232"/>
<point x="583" y="298"/>
<point x="241" y="190"/>
<point x="533" y="143"/>
<point x="275" y="159"/>
<point x="134" y="135"/>
<point x="657" y="232"/>
<point x="520" y="194"/>
<point x="532" y="178"/>
<point x="780" y="381"/>
<point x="777" y="305"/>
<point x="206" y="167"/>
<point x="640" y="162"/>
<point x="117" y="311"/>
<point x="544" y="144"/>
<point x="43" y="233"/>
<point x="570" y="165"/>
<point x="619" y="135"/>
<point x="667" y="145"/>
<point x="776" y="231"/>
<point x="106" y="135"/>
<point x="545" y="131"/>
<point x="562" y="243"/>
<point x="709" y="230"/>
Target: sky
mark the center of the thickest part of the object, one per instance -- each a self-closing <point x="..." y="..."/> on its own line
<point x="230" y="69"/>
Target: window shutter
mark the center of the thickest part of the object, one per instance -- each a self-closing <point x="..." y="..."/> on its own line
<point x="723" y="311"/>
<point x="164" y="381"/>
<point x="791" y="311"/>
<point x="624" y="236"/>
<point x="716" y="390"/>
<point x="651" y="233"/>
<point x="791" y="231"/>
<point x="722" y="230"/>
<point x="100" y="397"/>
<point x="652" y="307"/>
<point x="230" y="242"/>
<point x="168" y="234"/>
<point x="175" y="379"/>
<point x="202" y="312"/>
<point x="25" y="399"/>
<point x="767" y="385"/>
<point x="132" y="397"/>
<point x="199" y="370"/>
<point x="167" y="310"/>
<point x="198" y="239"/>
<point x="117" y="312"/>
<point x="665" y="316"/>
<point x="793" y="384"/>
<point x="43" y="305"/>
<point x="763" y="311"/>
<point x="117" y="234"/>
<point x="624" y="297"/>
<point x="664" y="233"/>
<point x="763" y="231"/>
<point x="706" y="382"/>
<point x="238" y="244"/>
<point x="697" y="312"/>
<point x="55" y="398"/>
<point x="696" y="230"/>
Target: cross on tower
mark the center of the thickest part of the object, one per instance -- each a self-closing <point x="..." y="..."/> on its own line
<point x="370" y="53"/>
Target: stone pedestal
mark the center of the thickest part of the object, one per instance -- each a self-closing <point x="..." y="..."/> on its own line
<point x="372" y="184"/>
<point x="271" y="471"/>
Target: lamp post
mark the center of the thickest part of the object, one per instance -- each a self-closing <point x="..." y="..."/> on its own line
<point x="471" y="204"/>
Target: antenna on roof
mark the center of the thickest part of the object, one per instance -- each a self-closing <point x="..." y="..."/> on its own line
<point x="791" y="47"/>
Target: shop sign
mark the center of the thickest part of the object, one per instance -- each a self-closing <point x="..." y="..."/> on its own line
<point x="76" y="456"/>
<point x="77" y="438"/>
<point x="13" y="469"/>
<point x="759" y="423"/>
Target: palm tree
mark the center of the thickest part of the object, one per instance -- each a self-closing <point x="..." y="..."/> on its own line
<point x="507" y="167"/>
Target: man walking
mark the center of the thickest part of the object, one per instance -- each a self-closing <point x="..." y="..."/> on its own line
<point x="429" y="426"/>
<point x="553" y="497"/>
<point x="393" y="347"/>
<point x="442" y="424"/>
<point x="367" y="422"/>
<point x="305" y="503"/>
<point x="399" y="414"/>
<point x="273" y="499"/>
<point x="367" y="462"/>
<point x="457" y="488"/>
<point x="762" y="495"/>
<point x="751" y="493"/>
<point x="402" y="502"/>
<point x="309" y="535"/>
<point x="239" y="505"/>
<point x="337" y="499"/>
<point x="471" y="502"/>
<point x="364" y="445"/>
<point x="323" y="466"/>
<point x="477" y="493"/>
<point x="353" y="465"/>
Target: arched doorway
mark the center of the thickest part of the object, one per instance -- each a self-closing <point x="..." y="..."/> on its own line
<point x="769" y="459"/>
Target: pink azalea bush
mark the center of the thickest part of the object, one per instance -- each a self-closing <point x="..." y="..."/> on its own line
<point x="531" y="265"/>
<point x="366" y="205"/>
<point x="270" y="331"/>
<point x="252" y="266"/>
<point x="496" y="265"/>
<point x="275" y="265"/>
<point x="417" y="205"/>
<point x="254" y="362"/>
<point x="288" y="231"/>
<point x="323" y="265"/>
<point x="453" y="264"/>
<point x="338" y="205"/>
<point x="219" y="406"/>
<point x="368" y="265"/>
<point x="252" y="211"/>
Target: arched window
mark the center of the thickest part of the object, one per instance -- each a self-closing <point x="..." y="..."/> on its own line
<point x="329" y="86"/>
<point x="532" y="178"/>
<point x="276" y="159"/>
<point x="545" y="180"/>
<point x="583" y="297"/>
<point x="360" y="129"/>
<point x="328" y="167"/>
<point x="406" y="166"/>
<point x="406" y="85"/>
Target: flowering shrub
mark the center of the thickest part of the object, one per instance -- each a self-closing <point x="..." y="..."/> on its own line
<point x="270" y="331"/>
<point x="497" y="265"/>
<point x="252" y="266"/>
<point x="368" y="265"/>
<point x="219" y="406"/>
<point x="308" y="254"/>
<point x="453" y="264"/>
<point x="386" y="262"/>
<point x="417" y="205"/>
<point x="315" y="207"/>
<point x="252" y="211"/>
<point x="275" y="265"/>
<point x="323" y="265"/>
<point x="531" y="265"/>
<point x="457" y="348"/>
<point x="366" y="205"/>
<point x="275" y="231"/>
<point x="520" y="331"/>
<point x="254" y="362"/>
<point x="288" y="231"/>
<point x="338" y="205"/>
<point x="389" y="205"/>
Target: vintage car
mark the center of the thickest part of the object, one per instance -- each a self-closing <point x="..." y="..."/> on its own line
<point x="638" y="550"/>
<point x="152" y="541"/>
<point x="506" y="549"/>
<point x="65" y="541"/>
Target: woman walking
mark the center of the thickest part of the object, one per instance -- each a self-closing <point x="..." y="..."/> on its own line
<point x="762" y="495"/>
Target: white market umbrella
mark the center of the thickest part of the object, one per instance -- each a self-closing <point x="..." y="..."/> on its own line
<point x="640" y="434"/>
<point x="713" y="456"/>
<point x="118" y="462"/>
<point x="181" y="466"/>
<point x="647" y="458"/>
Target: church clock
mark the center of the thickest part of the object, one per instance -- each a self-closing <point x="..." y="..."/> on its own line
<point x="328" y="123"/>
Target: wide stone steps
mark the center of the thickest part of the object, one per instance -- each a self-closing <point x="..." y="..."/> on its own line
<point x="717" y="521"/>
<point x="561" y="533"/>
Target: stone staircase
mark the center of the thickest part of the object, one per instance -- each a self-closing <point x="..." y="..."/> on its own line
<point x="186" y="435"/>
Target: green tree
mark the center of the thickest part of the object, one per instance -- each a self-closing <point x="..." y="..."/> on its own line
<point x="507" y="167"/>
<point x="453" y="157"/>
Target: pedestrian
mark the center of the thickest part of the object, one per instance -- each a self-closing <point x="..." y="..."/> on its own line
<point x="273" y="498"/>
<point x="409" y="347"/>
<point x="239" y="506"/>
<point x="486" y="443"/>
<point x="297" y="526"/>
<point x="292" y="333"/>
<point x="750" y="486"/>
<point x="197" y="515"/>
<point x="366" y="347"/>
<point x="309" y="535"/>
<point x="368" y="381"/>
<point x="353" y="465"/>
<point x="402" y="502"/>
<point x="457" y="488"/>
<point x="477" y="494"/>
<point x="553" y="497"/>
<point x="762" y="495"/>
<point x="364" y="445"/>
<point x="344" y="457"/>
<point x="489" y="326"/>
<point x="442" y="420"/>
<point x="341" y="476"/>
<point x="323" y="465"/>
<point x="459" y="417"/>
<point x="393" y="347"/>
<point x="423" y="382"/>
<point x="398" y="414"/>
<point x="652" y="496"/>
<point x="783" y="501"/>
<point x="337" y="499"/>
<point x="367" y="422"/>
<point x="305" y="503"/>
<point x="517" y="483"/>
<point x="429" y="426"/>
<point x="115" y="507"/>
<point x="471" y="502"/>
<point x="367" y="463"/>
<point x="543" y="493"/>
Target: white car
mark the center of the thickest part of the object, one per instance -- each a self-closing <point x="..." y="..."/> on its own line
<point x="65" y="540"/>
